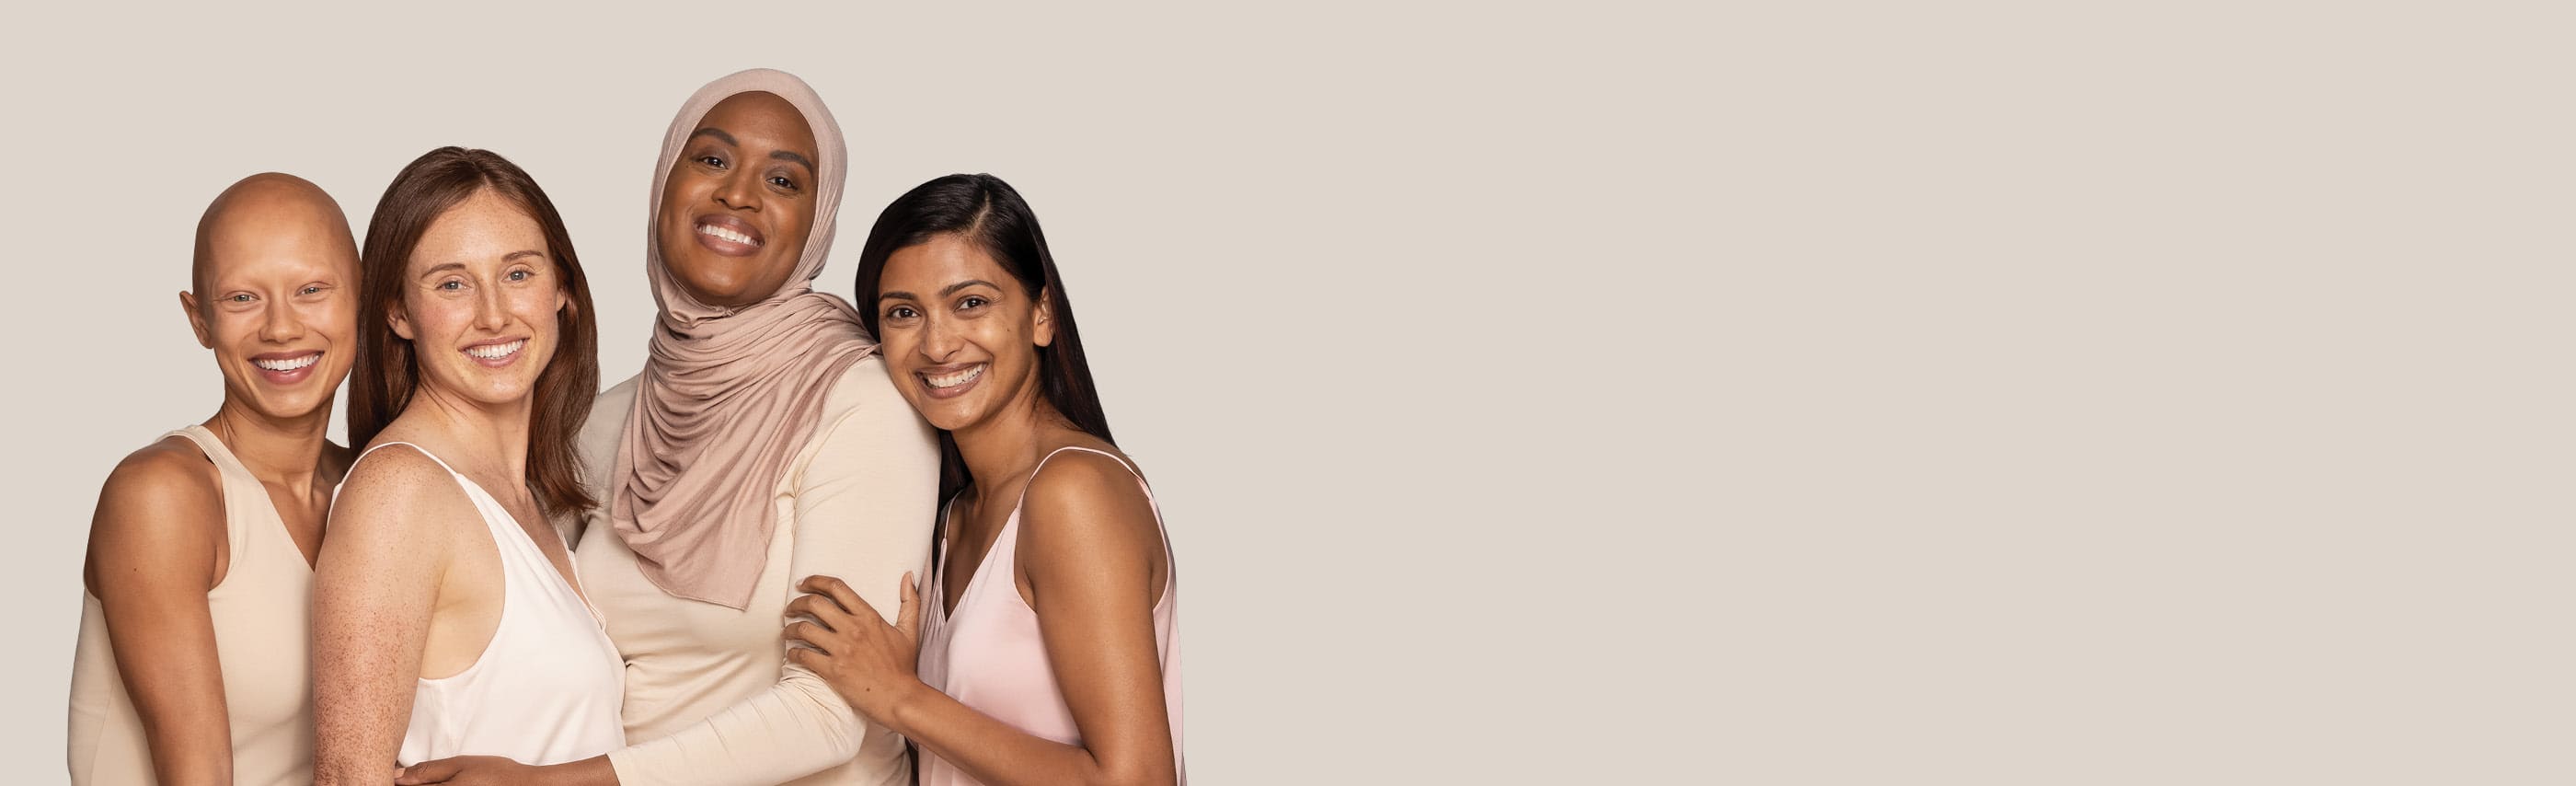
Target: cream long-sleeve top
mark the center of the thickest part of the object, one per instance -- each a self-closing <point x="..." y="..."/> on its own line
<point x="710" y="697"/>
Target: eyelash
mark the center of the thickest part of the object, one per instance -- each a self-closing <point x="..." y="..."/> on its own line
<point x="777" y="181"/>
<point x="964" y="303"/>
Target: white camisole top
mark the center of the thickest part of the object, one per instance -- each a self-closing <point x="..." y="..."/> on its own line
<point x="546" y="689"/>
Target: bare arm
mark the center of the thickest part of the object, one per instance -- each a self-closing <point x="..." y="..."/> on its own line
<point x="1089" y="548"/>
<point x="374" y="589"/>
<point x="153" y="544"/>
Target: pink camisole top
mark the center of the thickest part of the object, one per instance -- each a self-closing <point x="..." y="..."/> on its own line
<point x="987" y="653"/>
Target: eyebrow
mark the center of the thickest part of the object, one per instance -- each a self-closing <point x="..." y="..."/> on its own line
<point x="943" y="292"/>
<point x="436" y="269"/>
<point x="718" y="133"/>
<point x="786" y="155"/>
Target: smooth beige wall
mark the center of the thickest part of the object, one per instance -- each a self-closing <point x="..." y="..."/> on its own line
<point x="1820" y="393"/>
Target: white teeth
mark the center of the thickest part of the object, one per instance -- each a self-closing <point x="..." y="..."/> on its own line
<point x="288" y="365"/>
<point x="497" y="351"/>
<point x="959" y="378"/>
<point x="712" y="230"/>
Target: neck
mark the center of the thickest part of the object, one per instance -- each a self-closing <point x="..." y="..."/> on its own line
<point x="493" y="437"/>
<point x="1005" y="445"/>
<point x="283" y="451"/>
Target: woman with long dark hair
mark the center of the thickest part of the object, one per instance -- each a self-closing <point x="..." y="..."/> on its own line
<point x="447" y="618"/>
<point x="1050" y="653"/>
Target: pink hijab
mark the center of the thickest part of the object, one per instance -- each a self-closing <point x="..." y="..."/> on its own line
<point x="729" y="395"/>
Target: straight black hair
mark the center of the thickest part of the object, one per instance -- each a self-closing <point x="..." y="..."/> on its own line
<point x="984" y="211"/>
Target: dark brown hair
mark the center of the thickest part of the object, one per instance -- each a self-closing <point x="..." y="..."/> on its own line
<point x="387" y="372"/>
<point x="990" y="214"/>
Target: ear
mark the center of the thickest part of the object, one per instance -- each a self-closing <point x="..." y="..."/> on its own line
<point x="196" y="320"/>
<point x="399" y="321"/>
<point x="1046" y="318"/>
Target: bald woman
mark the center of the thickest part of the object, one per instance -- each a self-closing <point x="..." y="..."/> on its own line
<point x="191" y="667"/>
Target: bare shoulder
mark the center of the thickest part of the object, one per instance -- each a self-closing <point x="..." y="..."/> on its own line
<point x="1081" y="494"/>
<point x="168" y="476"/>
<point x="397" y="490"/>
<point x="160" y="511"/>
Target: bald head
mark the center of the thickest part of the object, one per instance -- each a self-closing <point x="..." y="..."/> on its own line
<point x="267" y="215"/>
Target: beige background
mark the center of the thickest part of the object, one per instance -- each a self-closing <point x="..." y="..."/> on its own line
<point x="1830" y="394"/>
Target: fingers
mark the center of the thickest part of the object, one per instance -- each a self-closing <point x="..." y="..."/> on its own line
<point x="811" y="634"/>
<point x="426" y="772"/>
<point x="820" y="609"/>
<point x="907" y="618"/>
<point x="839" y="593"/>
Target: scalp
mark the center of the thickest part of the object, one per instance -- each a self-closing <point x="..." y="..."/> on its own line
<point x="265" y="204"/>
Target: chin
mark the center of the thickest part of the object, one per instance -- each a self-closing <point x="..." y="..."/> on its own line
<point x="288" y="408"/>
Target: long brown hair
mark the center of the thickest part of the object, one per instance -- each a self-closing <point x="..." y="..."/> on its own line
<point x="387" y="372"/>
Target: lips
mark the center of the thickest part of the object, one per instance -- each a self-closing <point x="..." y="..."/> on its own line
<point x="952" y="382"/>
<point x="286" y="368"/>
<point x="496" y="353"/>
<point x="728" y="235"/>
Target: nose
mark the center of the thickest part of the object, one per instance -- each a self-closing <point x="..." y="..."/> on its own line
<point x="282" y="323"/>
<point x="939" y="340"/>
<point x="739" y="189"/>
<point x="490" y="313"/>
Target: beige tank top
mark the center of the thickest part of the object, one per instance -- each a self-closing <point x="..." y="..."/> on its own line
<point x="262" y="612"/>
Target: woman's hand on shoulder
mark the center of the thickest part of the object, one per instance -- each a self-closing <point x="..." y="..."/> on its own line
<point x="848" y="643"/>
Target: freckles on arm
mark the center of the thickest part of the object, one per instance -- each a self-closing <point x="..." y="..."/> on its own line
<point x="374" y="590"/>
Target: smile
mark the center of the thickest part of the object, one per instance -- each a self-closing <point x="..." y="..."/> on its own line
<point x="288" y="364"/>
<point x="955" y="379"/>
<point x="721" y="233"/>
<point x="496" y="351"/>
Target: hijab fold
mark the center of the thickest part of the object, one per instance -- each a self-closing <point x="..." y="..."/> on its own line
<point x="729" y="395"/>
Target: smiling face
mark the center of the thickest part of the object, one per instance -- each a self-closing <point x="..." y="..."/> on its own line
<point x="480" y="301"/>
<point x="276" y="295"/>
<point x="740" y="201"/>
<point x="959" y="334"/>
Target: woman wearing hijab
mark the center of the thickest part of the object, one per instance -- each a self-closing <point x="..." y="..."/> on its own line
<point x="762" y="442"/>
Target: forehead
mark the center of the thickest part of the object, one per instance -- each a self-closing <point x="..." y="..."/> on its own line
<point x="760" y="119"/>
<point x="297" y="244"/>
<point x="938" y="262"/>
<point x="484" y="228"/>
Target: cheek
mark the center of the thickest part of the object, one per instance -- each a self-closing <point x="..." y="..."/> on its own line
<point x="538" y="306"/>
<point x="230" y="329"/>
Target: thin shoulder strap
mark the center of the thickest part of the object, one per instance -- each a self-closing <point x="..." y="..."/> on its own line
<point x="1122" y="463"/>
<point x="362" y="455"/>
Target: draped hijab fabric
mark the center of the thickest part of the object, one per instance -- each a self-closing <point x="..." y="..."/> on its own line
<point x="730" y="394"/>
